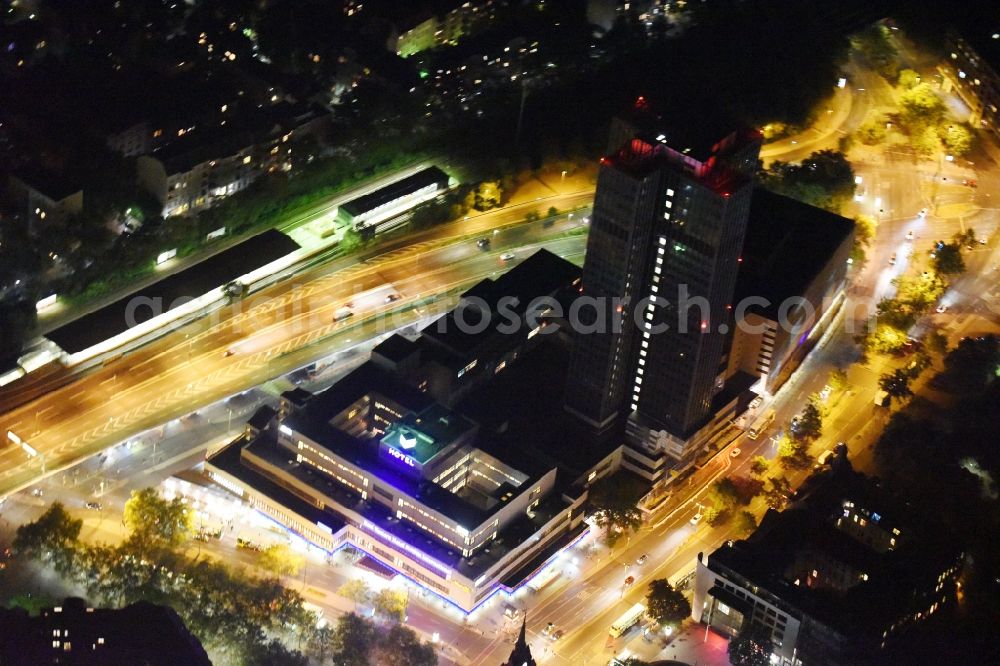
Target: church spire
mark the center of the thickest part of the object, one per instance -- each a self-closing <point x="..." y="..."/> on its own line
<point x="521" y="654"/>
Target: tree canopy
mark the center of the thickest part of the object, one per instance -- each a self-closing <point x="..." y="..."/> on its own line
<point x="54" y="537"/>
<point x="400" y="646"/>
<point x="957" y="139"/>
<point x="665" y="604"/>
<point x="875" y="45"/>
<point x="809" y="426"/>
<point x="357" y="641"/>
<point x="614" y="507"/>
<point x="155" y="521"/>
<point x="391" y="603"/>
<point x="908" y="79"/>
<point x="746" y="523"/>
<point x="752" y="647"/>
<point x="778" y="490"/>
<point x="896" y="384"/>
<point x="824" y="179"/>
<point x="279" y="559"/>
<point x="921" y="106"/>
<point x="973" y="363"/>
<point x="759" y="466"/>
<point x="948" y="259"/>
<point x="724" y="494"/>
<point x="356" y="590"/>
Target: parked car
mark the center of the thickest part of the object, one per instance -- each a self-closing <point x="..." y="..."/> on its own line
<point x="823" y="458"/>
<point x="892" y="259"/>
<point x="941" y="309"/>
<point x="756" y="402"/>
<point x="96" y="506"/>
<point x="696" y="518"/>
<point x="735" y="453"/>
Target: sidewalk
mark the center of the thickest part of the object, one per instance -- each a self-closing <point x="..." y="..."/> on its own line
<point x="693" y="646"/>
<point x="696" y="646"/>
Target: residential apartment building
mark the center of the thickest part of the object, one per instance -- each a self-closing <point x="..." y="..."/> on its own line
<point x="428" y="24"/>
<point x="972" y="69"/>
<point x="74" y="633"/>
<point x="194" y="170"/>
<point x="43" y="195"/>
<point x="836" y="578"/>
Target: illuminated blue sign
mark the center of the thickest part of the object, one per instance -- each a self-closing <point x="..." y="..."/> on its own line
<point x="400" y="456"/>
<point x="399" y="543"/>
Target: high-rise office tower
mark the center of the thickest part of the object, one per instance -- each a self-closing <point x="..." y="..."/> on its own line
<point x="666" y="233"/>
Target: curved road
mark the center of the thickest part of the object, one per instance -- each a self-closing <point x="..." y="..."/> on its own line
<point x="268" y="333"/>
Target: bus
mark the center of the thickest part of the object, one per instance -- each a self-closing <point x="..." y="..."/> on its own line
<point x="682" y="579"/>
<point x="627" y="621"/>
<point x="761" y="424"/>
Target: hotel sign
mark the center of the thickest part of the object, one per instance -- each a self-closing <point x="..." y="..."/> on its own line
<point x="401" y="457"/>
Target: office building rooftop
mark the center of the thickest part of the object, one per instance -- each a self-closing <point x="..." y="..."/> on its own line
<point x="542" y="274"/>
<point x="787" y="244"/>
<point x="382" y="196"/>
<point x="422" y="436"/>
